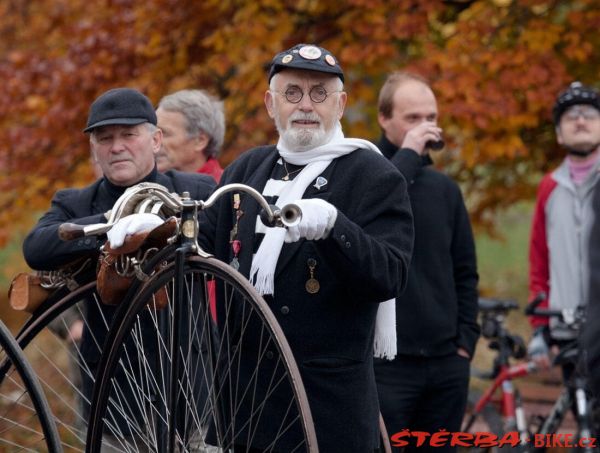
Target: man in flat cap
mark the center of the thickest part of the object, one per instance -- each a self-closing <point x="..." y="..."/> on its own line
<point x="124" y="139"/>
<point x="324" y="278"/>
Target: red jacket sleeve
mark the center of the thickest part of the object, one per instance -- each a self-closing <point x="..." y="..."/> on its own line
<point x="539" y="259"/>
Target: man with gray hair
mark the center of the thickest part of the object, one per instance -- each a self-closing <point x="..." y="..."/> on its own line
<point x="326" y="277"/>
<point x="193" y="125"/>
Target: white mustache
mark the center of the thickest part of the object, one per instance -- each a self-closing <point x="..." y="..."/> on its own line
<point x="304" y="117"/>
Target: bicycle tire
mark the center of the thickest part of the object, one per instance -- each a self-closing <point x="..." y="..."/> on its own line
<point x="26" y="421"/>
<point x="59" y="363"/>
<point x="130" y="405"/>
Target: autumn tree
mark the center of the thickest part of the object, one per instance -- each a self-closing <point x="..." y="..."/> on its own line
<point x="495" y="65"/>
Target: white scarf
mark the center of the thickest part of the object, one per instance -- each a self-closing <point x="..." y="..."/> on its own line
<point x="316" y="160"/>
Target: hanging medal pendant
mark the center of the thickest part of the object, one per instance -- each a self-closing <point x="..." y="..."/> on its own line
<point x="236" y="246"/>
<point x="312" y="285"/>
<point x="233" y="233"/>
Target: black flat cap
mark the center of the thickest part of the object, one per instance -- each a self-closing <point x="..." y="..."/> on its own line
<point x="308" y="57"/>
<point x="120" y="106"/>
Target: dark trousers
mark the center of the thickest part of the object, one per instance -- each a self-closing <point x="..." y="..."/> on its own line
<point x="423" y="394"/>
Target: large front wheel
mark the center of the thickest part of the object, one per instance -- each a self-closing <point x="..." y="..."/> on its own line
<point x="199" y="365"/>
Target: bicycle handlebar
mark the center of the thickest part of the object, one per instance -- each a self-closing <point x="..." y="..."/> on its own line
<point x="151" y="197"/>
<point x="570" y="316"/>
<point x="489" y="305"/>
<point x="70" y="231"/>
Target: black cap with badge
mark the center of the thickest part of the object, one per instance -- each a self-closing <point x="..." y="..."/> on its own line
<point x="120" y="106"/>
<point x="308" y="57"/>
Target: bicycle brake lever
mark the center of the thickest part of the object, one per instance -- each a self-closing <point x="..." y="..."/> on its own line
<point x="532" y="305"/>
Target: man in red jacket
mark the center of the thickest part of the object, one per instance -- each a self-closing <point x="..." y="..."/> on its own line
<point x="563" y="218"/>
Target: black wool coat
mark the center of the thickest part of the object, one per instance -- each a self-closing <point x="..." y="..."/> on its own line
<point x="362" y="262"/>
<point x="437" y="313"/>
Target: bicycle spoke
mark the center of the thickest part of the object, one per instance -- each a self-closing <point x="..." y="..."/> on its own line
<point x="231" y="370"/>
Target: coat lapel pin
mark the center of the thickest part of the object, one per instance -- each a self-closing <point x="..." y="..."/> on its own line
<point x="320" y="183"/>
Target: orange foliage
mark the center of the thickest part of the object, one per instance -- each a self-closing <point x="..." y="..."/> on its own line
<point x="496" y="67"/>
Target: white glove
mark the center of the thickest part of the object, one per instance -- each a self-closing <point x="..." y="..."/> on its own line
<point x="134" y="223"/>
<point x="317" y="220"/>
<point x="537" y="346"/>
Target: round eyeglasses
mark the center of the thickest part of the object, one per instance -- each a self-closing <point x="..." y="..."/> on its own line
<point x="295" y="94"/>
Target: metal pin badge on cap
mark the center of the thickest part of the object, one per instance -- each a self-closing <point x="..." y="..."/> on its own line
<point x="330" y="60"/>
<point x="310" y="52"/>
<point x="307" y="57"/>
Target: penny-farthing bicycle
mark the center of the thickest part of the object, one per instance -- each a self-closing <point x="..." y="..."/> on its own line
<point x="195" y="360"/>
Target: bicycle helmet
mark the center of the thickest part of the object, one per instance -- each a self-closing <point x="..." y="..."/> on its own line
<point x="575" y="94"/>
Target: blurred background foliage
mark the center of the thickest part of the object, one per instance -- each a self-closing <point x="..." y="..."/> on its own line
<point x="495" y="65"/>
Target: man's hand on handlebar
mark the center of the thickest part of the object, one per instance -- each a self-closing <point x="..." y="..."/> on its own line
<point x="318" y="218"/>
<point x="132" y="224"/>
<point x="538" y="349"/>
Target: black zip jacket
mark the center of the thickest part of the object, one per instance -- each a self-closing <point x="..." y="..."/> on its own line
<point x="437" y="312"/>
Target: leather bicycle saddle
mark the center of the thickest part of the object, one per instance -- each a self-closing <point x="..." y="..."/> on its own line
<point x="117" y="267"/>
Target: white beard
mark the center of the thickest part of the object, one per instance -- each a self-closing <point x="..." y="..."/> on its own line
<point x="300" y="138"/>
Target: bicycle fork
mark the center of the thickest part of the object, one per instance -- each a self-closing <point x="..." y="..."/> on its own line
<point x="520" y="418"/>
<point x="514" y="415"/>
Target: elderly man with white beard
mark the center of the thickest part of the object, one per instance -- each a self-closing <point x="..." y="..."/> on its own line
<point x="329" y="280"/>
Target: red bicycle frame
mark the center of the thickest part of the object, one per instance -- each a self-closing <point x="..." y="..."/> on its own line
<point x="507" y="400"/>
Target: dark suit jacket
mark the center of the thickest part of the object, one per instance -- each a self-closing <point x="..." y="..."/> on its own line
<point x="363" y="261"/>
<point x="43" y="249"/>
